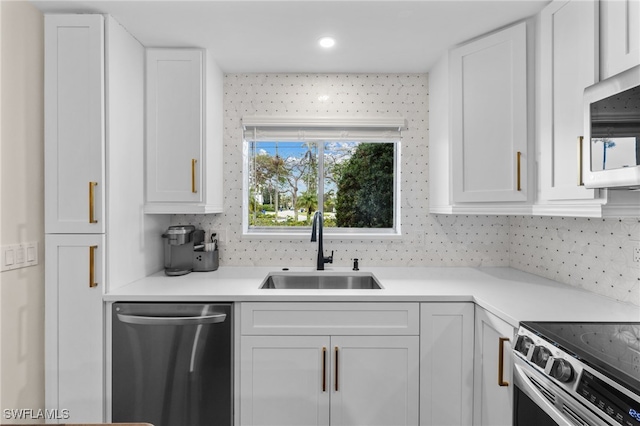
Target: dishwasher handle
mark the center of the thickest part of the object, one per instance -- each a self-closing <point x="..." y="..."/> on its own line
<point x="159" y="320"/>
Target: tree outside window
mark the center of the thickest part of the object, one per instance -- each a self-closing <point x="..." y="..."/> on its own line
<point x="356" y="190"/>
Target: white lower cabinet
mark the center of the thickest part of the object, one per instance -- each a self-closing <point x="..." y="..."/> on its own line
<point x="375" y="380"/>
<point x="446" y="364"/>
<point x="281" y="380"/>
<point x="493" y="387"/>
<point x="74" y="370"/>
<point x="328" y="378"/>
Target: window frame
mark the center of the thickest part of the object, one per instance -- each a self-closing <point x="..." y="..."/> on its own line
<point x="384" y="130"/>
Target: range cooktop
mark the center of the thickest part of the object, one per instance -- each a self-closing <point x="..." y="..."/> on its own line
<point x="612" y="348"/>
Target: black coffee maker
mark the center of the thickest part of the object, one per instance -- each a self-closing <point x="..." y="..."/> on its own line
<point x="178" y="250"/>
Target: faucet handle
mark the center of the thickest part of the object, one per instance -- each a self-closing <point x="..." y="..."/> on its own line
<point x="329" y="259"/>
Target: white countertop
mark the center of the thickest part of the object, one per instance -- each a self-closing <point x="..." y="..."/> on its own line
<point x="510" y="294"/>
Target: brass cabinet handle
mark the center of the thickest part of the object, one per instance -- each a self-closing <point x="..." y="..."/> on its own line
<point x="336" y="367"/>
<point x="580" y="181"/>
<point x="324" y="369"/>
<point x="92" y="266"/>
<point x="92" y="186"/>
<point x="518" y="156"/>
<point x="193" y="175"/>
<point x="501" y="381"/>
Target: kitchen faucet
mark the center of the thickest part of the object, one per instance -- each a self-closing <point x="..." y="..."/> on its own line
<point x="317" y="224"/>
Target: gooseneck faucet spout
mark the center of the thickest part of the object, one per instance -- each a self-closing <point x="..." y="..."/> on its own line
<point x="316" y="231"/>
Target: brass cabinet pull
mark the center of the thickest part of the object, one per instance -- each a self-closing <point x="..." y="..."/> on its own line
<point x="324" y="369"/>
<point x="193" y="175"/>
<point x="92" y="266"/>
<point x="501" y="381"/>
<point x="518" y="156"/>
<point x="580" y="181"/>
<point x="92" y="218"/>
<point x="336" y="367"/>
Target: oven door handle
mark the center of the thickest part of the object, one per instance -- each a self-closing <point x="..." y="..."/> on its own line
<point x="522" y="381"/>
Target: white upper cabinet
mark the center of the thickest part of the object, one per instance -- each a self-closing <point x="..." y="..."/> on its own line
<point x="619" y="36"/>
<point x="568" y="64"/>
<point x="489" y="118"/>
<point x="480" y="128"/>
<point x="74" y="124"/>
<point x="184" y="132"/>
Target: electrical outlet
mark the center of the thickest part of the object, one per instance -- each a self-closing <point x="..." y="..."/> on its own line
<point x="636" y="254"/>
<point x="221" y="235"/>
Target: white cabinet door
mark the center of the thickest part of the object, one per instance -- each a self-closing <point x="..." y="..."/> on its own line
<point x="284" y="380"/>
<point x="619" y="35"/>
<point x="446" y="364"/>
<point x="375" y="380"/>
<point x="74" y="373"/>
<point x="322" y="379"/>
<point x="493" y="388"/>
<point x="74" y="124"/>
<point x="174" y="125"/>
<point x="569" y="63"/>
<point x="489" y="118"/>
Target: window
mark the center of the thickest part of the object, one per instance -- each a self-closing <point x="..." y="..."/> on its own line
<point x="349" y="173"/>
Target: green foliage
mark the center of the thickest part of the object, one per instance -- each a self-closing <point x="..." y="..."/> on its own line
<point x="309" y="202"/>
<point x="261" y="219"/>
<point x="365" y="188"/>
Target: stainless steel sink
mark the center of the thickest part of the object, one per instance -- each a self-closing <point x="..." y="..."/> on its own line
<point x="321" y="281"/>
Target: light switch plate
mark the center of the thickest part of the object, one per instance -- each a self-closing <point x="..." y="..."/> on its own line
<point x="18" y="256"/>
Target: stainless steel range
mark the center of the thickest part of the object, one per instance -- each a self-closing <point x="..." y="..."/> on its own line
<point x="577" y="374"/>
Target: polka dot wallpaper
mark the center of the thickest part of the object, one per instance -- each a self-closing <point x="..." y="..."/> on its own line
<point x="551" y="247"/>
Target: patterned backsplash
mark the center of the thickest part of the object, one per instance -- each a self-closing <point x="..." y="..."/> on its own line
<point x="589" y="253"/>
<point x="595" y="254"/>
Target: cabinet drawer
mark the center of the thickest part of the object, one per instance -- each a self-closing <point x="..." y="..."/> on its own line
<point x="330" y="318"/>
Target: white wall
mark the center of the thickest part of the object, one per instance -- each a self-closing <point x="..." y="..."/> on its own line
<point x="21" y="201"/>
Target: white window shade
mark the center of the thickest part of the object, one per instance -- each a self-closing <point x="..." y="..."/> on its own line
<point x="371" y="129"/>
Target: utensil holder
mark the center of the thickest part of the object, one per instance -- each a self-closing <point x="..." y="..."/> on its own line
<point x="205" y="261"/>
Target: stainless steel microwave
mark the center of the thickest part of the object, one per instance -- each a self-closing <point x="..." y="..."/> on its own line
<point x="611" y="147"/>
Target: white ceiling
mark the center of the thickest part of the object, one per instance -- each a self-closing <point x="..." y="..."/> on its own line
<point x="281" y="36"/>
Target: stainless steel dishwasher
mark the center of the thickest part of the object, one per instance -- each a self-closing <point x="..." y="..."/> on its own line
<point x="172" y="364"/>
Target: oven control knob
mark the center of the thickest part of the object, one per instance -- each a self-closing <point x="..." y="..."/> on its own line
<point x="560" y="369"/>
<point x="523" y="343"/>
<point x="540" y="356"/>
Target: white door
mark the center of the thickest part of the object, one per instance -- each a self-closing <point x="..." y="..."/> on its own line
<point x="74" y="124"/>
<point x="174" y="108"/>
<point x="619" y="35"/>
<point x="74" y="370"/>
<point x="284" y="380"/>
<point x="489" y="118"/>
<point x="569" y="63"/>
<point x="493" y="388"/>
<point x="446" y="364"/>
<point x="374" y="380"/>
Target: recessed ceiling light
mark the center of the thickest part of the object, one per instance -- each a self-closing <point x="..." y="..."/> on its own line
<point x="327" y="42"/>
